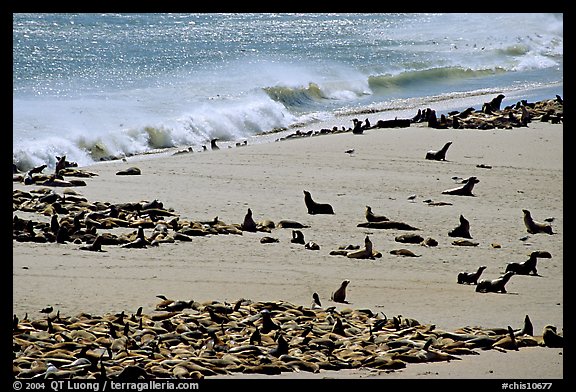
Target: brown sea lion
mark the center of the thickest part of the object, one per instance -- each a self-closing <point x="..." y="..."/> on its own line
<point x="465" y="190"/>
<point x="316" y="208"/>
<point x="534" y="227"/>
<point x="364" y="253"/>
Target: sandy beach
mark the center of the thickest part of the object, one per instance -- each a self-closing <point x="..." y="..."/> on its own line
<point x="525" y="171"/>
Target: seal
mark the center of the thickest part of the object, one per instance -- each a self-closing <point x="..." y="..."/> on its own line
<point x="439" y="155"/>
<point x="248" y="224"/>
<point x="340" y="294"/>
<point x="465" y="190"/>
<point x="316" y="208"/>
<point x="551" y="338"/>
<point x="528" y="266"/>
<point x="463" y="230"/>
<point x="371" y="217"/>
<point x="316" y="304"/>
<point x="534" y="227"/>
<point x="471" y="277"/>
<point x="297" y="237"/>
<point x="95" y="246"/>
<point x="494" y="285"/>
<point x="213" y="144"/>
<point x="365" y="253"/>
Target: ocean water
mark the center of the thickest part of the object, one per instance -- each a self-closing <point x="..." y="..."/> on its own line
<point x="97" y="86"/>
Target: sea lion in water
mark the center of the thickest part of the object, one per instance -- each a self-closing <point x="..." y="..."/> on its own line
<point x="371" y="217"/>
<point x="316" y="208"/>
<point x="471" y="277"/>
<point x="439" y="155"/>
<point x="340" y="294"/>
<point x="528" y="266"/>
<point x="494" y="285"/>
<point x="465" y="190"/>
<point x="534" y="227"/>
<point x="463" y="230"/>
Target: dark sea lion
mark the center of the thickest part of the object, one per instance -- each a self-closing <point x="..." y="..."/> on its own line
<point x="131" y="171"/>
<point x="290" y="224"/>
<point x="494" y="285"/>
<point x="528" y="266"/>
<point x="496" y="102"/>
<point x="534" y="227"/>
<point x="268" y="240"/>
<point x="463" y="230"/>
<point x="403" y="252"/>
<point x="95" y="246"/>
<point x="387" y="225"/>
<point x="297" y="237"/>
<point x="316" y="208"/>
<point x="213" y="144"/>
<point x="371" y="217"/>
<point x="249" y="224"/>
<point x="470" y="277"/>
<point x="312" y="246"/>
<point x="316" y="304"/>
<point x="465" y="190"/>
<point x="439" y="155"/>
<point x="340" y="294"/>
<point x="409" y="238"/>
<point x="551" y="338"/>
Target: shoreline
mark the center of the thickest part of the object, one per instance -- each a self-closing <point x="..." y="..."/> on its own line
<point x="386" y="167"/>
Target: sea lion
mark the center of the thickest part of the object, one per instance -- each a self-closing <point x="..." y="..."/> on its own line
<point x="439" y="155"/>
<point x="371" y="217"/>
<point x="551" y="338"/>
<point x="213" y="144"/>
<point x="249" y="224"/>
<point x="465" y="243"/>
<point x="463" y="230"/>
<point x="96" y="246"/>
<point x="131" y="171"/>
<point x="494" y="285"/>
<point x="493" y="105"/>
<point x="268" y="240"/>
<point x="528" y="266"/>
<point x="387" y="225"/>
<point x="365" y="253"/>
<point x="534" y="227"/>
<point x="340" y="294"/>
<point x="471" y="277"/>
<point x="312" y="246"/>
<point x="403" y="252"/>
<point x="465" y="190"/>
<point x="297" y="237"/>
<point x="290" y="224"/>
<point x="316" y="208"/>
<point x="316" y="304"/>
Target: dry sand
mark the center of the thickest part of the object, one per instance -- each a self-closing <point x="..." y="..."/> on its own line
<point x="388" y="165"/>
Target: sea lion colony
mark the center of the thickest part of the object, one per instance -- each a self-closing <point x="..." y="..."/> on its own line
<point x="190" y="340"/>
<point x="187" y="339"/>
